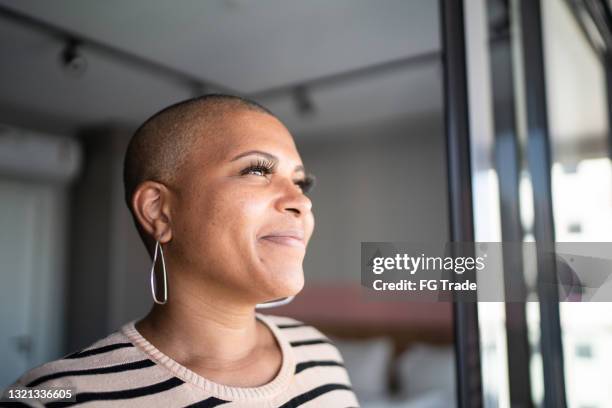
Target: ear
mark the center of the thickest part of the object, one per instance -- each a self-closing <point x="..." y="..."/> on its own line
<point x="151" y="207"/>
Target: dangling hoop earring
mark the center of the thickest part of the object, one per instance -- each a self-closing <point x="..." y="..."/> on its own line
<point x="153" y="286"/>
<point x="274" y="303"/>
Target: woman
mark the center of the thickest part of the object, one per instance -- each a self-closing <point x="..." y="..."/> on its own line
<point x="217" y="191"/>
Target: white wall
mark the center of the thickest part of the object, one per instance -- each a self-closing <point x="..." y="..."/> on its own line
<point x="35" y="170"/>
<point x="384" y="181"/>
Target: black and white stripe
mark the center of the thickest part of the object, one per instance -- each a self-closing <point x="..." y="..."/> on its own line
<point x="136" y="365"/>
<point x="119" y="395"/>
<point x="291" y="325"/>
<point x="316" y="363"/>
<point x="98" y="350"/>
<point x="117" y="371"/>
<point x="314" y="393"/>
<point x="207" y="403"/>
<point x="300" y="343"/>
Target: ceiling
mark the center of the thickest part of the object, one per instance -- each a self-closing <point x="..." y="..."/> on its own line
<point x="244" y="46"/>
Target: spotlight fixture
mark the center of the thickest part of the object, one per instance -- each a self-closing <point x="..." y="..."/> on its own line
<point x="73" y="62"/>
<point x="303" y="101"/>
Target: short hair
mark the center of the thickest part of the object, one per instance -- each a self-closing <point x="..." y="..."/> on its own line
<point x="160" y="146"/>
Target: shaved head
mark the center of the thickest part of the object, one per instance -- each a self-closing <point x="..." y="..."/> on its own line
<point x="160" y="146"/>
<point x="217" y="182"/>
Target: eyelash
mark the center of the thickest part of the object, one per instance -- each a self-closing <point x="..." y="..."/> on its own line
<point x="266" y="167"/>
<point x="306" y="184"/>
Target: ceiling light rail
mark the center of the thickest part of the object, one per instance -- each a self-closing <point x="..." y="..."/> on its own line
<point x="73" y="39"/>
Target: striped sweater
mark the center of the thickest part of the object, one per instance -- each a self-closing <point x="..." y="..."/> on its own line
<point x="124" y="369"/>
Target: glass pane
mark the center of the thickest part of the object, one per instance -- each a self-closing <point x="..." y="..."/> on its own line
<point x="582" y="190"/>
<point x="485" y="186"/>
<point x="581" y="176"/>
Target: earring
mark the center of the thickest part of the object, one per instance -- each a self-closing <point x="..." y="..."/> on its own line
<point x="153" y="286"/>
<point x="274" y="303"/>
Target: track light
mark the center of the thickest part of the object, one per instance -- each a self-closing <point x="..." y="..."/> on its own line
<point x="73" y="62"/>
<point x="303" y="101"/>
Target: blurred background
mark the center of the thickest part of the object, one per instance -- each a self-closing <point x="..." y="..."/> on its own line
<point x="366" y="88"/>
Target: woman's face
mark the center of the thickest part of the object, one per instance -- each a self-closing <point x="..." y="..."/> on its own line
<point x="240" y="219"/>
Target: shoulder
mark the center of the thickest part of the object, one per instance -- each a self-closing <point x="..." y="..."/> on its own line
<point x="114" y="350"/>
<point x="305" y="339"/>
<point x="319" y="367"/>
<point x="290" y="325"/>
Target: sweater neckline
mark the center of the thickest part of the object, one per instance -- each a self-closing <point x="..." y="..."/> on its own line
<point x="225" y="392"/>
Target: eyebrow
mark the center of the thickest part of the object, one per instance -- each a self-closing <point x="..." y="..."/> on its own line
<point x="267" y="155"/>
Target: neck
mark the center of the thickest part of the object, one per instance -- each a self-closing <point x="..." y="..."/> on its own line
<point x="202" y="328"/>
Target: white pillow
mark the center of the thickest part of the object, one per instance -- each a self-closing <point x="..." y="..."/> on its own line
<point x="367" y="362"/>
<point x="424" y="369"/>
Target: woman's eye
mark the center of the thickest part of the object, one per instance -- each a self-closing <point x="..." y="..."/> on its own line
<point x="306" y="184"/>
<point x="257" y="172"/>
<point x="259" y="168"/>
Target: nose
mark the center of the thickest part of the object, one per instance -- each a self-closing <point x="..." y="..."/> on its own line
<point x="293" y="200"/>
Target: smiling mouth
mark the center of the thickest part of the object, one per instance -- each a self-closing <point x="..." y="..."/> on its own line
<point x="286" y="240"/>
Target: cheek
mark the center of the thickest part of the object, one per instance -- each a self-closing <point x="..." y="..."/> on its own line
<point x="226" y="219"/>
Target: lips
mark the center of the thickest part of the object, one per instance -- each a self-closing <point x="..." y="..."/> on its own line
<point x="293" y="238"/>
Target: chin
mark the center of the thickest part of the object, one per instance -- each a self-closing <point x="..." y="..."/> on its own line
<point x="285" y="284"/>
